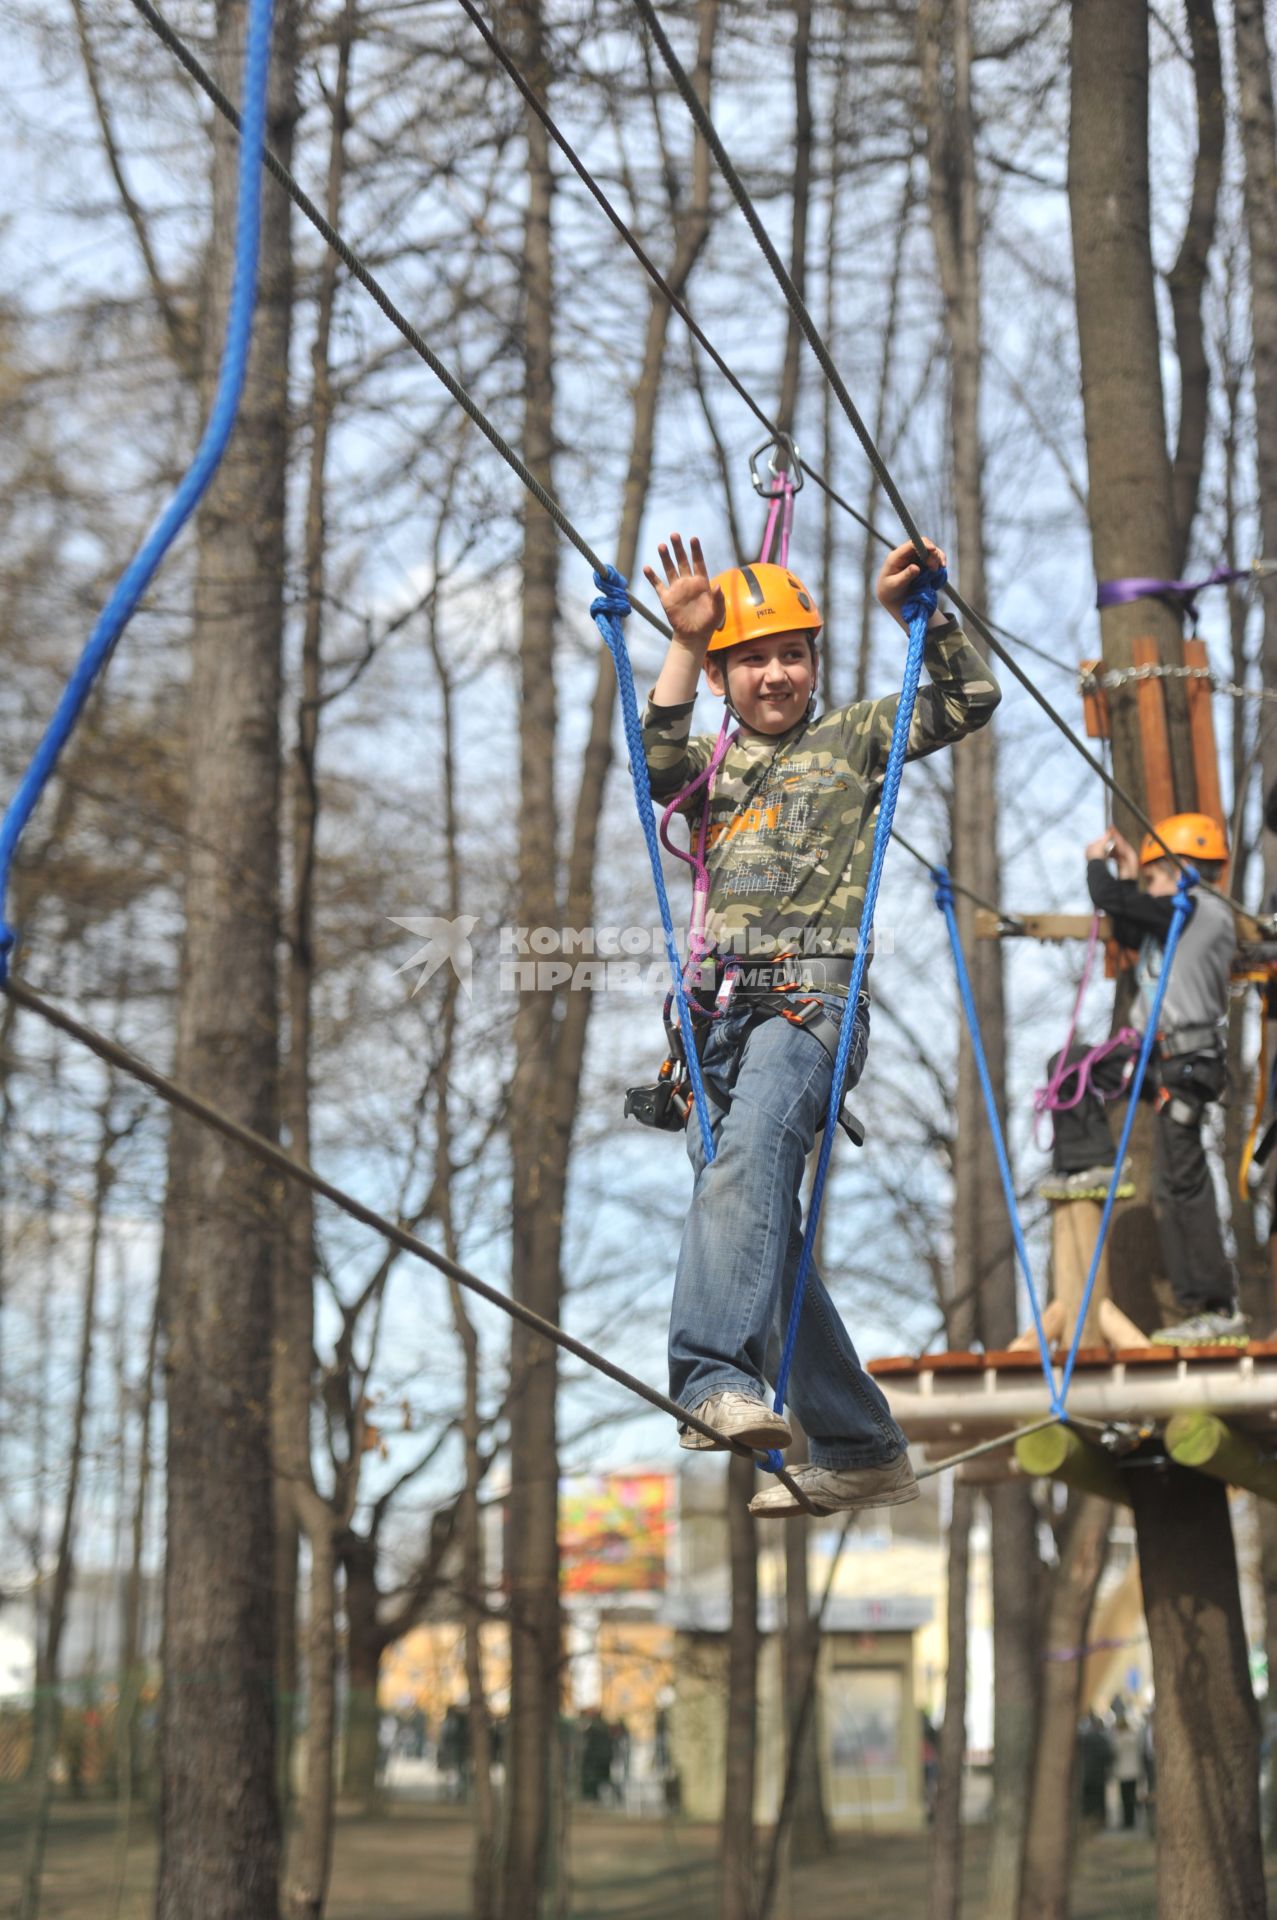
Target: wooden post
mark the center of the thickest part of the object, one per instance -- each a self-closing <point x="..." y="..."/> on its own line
<point x="1201" y="723"/>
<point x="1209" y="1445"/>
<point x="1064" y="1455"/>
<point x="1075" y="1228"/>
<point x="1159" y="784"/>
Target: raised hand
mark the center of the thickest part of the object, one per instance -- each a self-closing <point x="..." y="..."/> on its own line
<point x="693" y="605"/>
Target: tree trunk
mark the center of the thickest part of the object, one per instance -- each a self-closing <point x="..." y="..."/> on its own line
<point x="483" y="1877"/>
<point x="538" y="1170"/>
<point x="1258" y="123"/>
<point x="1187" y="278"/>
<point x="310" y="1856"/>
<point x="944" y="1887"/>
<point x="1206" y="1731"/>
<point x="736" y="1845"/>
<point x="1131" y="500"/>
<point x="983" y="1250"/>
<point x="363" y="1665"/>
<point x="549" y="1058"/>
<point x="808" y="1837"/>
<point x="1048" y="1858"/>
<point x="132" y="1667"/>
<point x="219" y="1845"/>
<point x="1207" y="1747"/>
<point x="299" y="1506"/>
<point x="47" y="1717"/>
<point x="800" y="204"/>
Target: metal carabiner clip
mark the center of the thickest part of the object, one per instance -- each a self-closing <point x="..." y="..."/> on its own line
<point x="784" y="465"/>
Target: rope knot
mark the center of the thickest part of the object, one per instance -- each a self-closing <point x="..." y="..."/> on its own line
<point x="944" y="888"/>
<point x="1188" y="879"/>
<point x="614" y="596"/>
<point x="923" y="600"/>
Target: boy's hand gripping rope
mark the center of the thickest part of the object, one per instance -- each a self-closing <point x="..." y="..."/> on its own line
<point x="137" y="576"/>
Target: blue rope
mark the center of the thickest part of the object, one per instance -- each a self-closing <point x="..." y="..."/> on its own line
<point x="944" y="900"/>
<point x="1181" y="905"/>
<point x="609" y="610"/>
<point x="917" y="610"/>
<point x="137" y="577"/>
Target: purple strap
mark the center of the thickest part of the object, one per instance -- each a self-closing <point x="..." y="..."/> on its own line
<point x="1051" y="1098"/>
<point x="696" y="941"/>
<point x="1119" y="593"/>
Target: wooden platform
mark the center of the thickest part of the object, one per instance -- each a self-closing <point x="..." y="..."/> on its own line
<point x="947" y="1401"/>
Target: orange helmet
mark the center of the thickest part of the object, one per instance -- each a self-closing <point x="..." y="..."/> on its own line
<point x="1193" y="836"/>
<point x="761" y="600"/>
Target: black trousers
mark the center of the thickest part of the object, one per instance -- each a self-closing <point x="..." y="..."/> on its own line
<point x="1197" y="1265"/>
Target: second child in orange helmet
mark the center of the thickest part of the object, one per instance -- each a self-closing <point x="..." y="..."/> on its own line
<point x="1188" y="1070"/>
<point x="792" y="817"/>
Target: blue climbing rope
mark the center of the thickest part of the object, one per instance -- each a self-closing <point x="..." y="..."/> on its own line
<point x="944" y="900"/>
<point x="917" y="611"/>
<point x="1181" y="906"/>
<point x="608" y="611"/>
<point x="140" y="571"/>
<point x="1180" y="910"/>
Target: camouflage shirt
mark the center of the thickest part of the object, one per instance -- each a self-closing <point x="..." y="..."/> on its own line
<point x="793" y="815"/>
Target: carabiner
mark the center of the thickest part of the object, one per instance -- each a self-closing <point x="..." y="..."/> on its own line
<point x="787" y="470"/>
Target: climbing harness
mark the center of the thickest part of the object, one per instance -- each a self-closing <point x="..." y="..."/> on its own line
<point x="1053" y="1098"/>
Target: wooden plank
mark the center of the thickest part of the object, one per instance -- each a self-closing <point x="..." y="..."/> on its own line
<point x="896" y="1363"/>
<point x="1201" y="722"/>
<point x="1095" y="702"/>
<point x="1155" y="743"/>
<point x="1255" y="950"/>
<point x="1075" y="1229"/>
<point x="1036" y="926"/>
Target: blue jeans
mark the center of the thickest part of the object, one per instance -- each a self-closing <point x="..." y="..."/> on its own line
<point x="743" y="1236"/>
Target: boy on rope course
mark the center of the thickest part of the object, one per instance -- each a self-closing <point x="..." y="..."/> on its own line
<point x="791" y="818"/>
<point x="1187" y="1073"/>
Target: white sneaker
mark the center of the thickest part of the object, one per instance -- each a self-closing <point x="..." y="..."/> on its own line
<point x="1213" y="1328"/>
<point x="737" y="1416"/>
<point x="839" y="1489"/>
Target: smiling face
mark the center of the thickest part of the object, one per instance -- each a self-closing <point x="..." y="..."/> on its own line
<point x="770" y="680"/>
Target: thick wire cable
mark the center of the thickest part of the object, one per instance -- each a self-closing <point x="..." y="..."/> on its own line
<point x="944" y="900"/>
<point x="372" y="286"/>
<point x="138" y="575"/>
<point x="798" y="307"/>
<point x="273" y="1155"/>
<point x="649" y="266"/>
